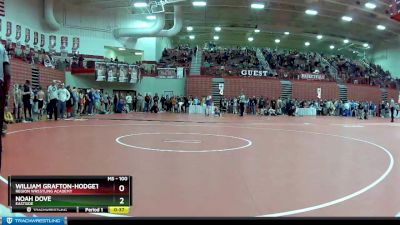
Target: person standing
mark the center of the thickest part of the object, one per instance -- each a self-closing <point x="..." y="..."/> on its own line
<point x="5" y="80"/>
<point x="26" y="99"/>
<point x="75" y="96"/>
<point x="129" y="101"/>
<point x="115" y="102"/>
<point x="392" y="107"/>
<point x="140" y="100"/>
<point x="52" y="93"/>
<point x="63" y="97"/>
<point x="40" y="97"/>
<point x="242" y="99"/>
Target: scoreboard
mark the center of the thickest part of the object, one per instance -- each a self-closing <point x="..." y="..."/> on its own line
<point x="70" y="194"/>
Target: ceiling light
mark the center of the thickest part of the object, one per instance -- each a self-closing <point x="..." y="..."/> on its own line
<point x="287" y="33"/>
<point x="319" y="37"/>
<point x="121" y="49"/>
<point x="138" y="53"/>
<point x="218" y="29"/>
<point x="370" y="5"/>
<point x="307" y="43"/>
<point x="365" y="45"/>
<point x="140" y="4"/>
<point x="256" y="31"/>
<point x="189" y="28"/>
<point x="332" y="47"/>
<point x="250" y="39"/>
<point x="277" y="41"/>
<point x="347" y="18"/>
<point x="192" y="37"/>
<point x="216" y="37"/>
<point x="151" y="17"/>
<point x="346" y="41"/>
<point x="199" y="3"/>
<point x="311" y="12"/>
<point x="381" y="27"/>
<point x="257" y="6"/>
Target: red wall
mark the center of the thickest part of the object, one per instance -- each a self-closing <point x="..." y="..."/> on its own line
<point x="270" y="88"/>
<point x="393" y="93"/>
<point x="364" y="93"/>
<point x="21" y="71"/>
<point x="308" y="90"/>
<point x="198" y="86"/>
<point x="47" y="75"/>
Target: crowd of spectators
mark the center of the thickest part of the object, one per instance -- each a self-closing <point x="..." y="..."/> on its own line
<point x="289" y="64"/>
<point x="219" y="61"/>
<point x="180" y="56"/>
<point x="275" y="107"/>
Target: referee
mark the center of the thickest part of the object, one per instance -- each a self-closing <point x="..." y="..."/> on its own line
<point x="5" y="79"/>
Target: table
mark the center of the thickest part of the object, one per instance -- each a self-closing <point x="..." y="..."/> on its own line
<point x="306" y="111"/>
<point x="199" y="109"/>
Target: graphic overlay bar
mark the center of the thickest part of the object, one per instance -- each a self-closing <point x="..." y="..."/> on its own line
<point x="33" y="220"/>
<point x="69" y="194"/>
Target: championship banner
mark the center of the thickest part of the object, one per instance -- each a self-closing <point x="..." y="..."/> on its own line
<point x="319" y="93"/>
<point x="27" y="35"/>
<point x="133" y="72"/>
<point x="101" y="70"/>
<point x="180" y="72"/>
<point x="64" y="42"/>
<point x="18" y="33"/>
<point x="111" y="72"/>
<point x="42" y="40"/>
<point x="254" y="73"/>
<point x="123" y="73"/>
<point x="9" y="29"/>
<point x="52" y="41"/>
<point x="35" y="38"/>
<point x="310" y="76"/>
<point x="166" y="73"/>
<point x="75" y="43"/>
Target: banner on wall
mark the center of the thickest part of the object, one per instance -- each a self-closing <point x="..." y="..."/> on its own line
<point x="1" y="26"/>
<point x="319" y="93"/>
<point x="179" y="72"/>
<point x="101" y="70"/>
<point x="111" y="72"/>
<point x="27" y="35"/>
<point x="35" y="38"/>
<point x="64" y="42"/>
<point x="311" y="76"/>
<point x="75" y="43"/>
<point x="123" y="73"/>
<point x="52" y="41"/>
<point x="42" y="40"/>
<point x="9" y="29"/>
<point x="18" y="32"/>
<point x="255" y="73"/>
<point x="133" y="72"/>
<point x="166" y="73"/>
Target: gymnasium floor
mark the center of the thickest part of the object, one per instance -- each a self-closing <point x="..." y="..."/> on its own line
<point x="195" y="166"/>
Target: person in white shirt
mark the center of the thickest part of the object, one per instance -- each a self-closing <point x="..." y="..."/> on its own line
<point x="128" y="99"/>
<point x="63" y="97"/>
<point x="392" y="108"/>
<point x="52" y="93"/>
